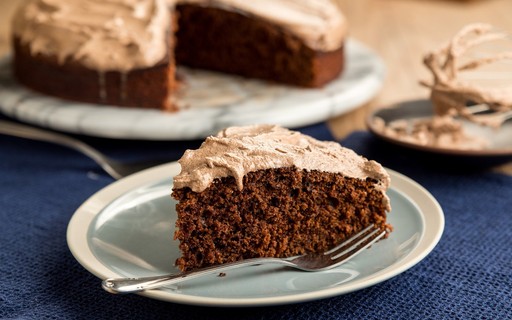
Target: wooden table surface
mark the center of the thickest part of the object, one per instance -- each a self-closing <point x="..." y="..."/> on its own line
<point x="399" y="31"/>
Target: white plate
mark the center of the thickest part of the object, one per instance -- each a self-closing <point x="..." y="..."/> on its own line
<point x="216" y="101"/>
<point x="126" y="230"/>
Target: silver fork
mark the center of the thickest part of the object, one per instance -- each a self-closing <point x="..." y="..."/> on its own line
<point x="114" y="168"/>
<point x="309" y="262"/>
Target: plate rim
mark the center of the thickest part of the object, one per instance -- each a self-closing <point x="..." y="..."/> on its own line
<point x="483" y="153"/>
<point x="372" y="82"/>
<point x="81" y="220"/>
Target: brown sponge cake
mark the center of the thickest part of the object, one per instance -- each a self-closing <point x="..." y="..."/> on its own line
<point x="143" y="88"/>
<point x="265" y="191"/>
<point x="247" y="38"/>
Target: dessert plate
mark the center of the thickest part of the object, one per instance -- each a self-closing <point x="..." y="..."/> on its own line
<point x="211" y="101"/>
<point x="126" y="230"/>
<point x="499" y="140"/>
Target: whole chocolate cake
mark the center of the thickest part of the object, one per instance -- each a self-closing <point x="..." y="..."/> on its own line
<point x="265" y="191"/>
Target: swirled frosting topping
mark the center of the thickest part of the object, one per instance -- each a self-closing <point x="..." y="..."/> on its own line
<point x="237" y="151"/>
<point x="101" y="34"/>
<point x="319" y="23"/>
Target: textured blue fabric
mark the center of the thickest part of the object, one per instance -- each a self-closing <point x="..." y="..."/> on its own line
<point x="467" y="276"/>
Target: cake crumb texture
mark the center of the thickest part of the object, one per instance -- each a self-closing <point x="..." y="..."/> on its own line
<point x="280" y="212"/>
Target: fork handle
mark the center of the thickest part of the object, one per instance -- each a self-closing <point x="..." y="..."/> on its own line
<point x="132" y="285"/>
<point x="28" y="132"/>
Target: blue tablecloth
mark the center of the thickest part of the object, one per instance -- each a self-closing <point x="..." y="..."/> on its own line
<point x="467" y="276"/>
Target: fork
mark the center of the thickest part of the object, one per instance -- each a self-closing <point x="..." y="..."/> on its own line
<point x="340" y="254"/>
<point x="114" y="168"/>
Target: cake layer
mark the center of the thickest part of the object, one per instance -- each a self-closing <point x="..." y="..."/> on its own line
<point x="233" y="42"/>
<point x="279" y="213"/>
<point x="142" y="88"/>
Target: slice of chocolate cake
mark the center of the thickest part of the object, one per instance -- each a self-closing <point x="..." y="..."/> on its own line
<point x="265" y="191"/>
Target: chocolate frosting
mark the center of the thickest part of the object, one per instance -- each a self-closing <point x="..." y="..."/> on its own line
<point x="236" y="151"/>
<point x="103" y="35"/>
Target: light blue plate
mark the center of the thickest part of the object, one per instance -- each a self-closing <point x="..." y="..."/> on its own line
<point x="126" y="230"/>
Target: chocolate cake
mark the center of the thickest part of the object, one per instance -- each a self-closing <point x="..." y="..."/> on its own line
<point x="293" y="42"/>
<point x="122" y="53"/>
<point x="105" y="52"/>
<point x="265" y="191"/>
